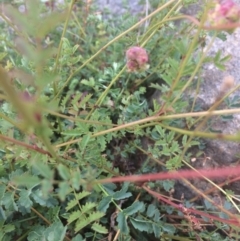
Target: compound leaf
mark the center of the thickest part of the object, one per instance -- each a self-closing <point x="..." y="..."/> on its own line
<point x="88" y="206"/>
<point x="135" y="207"/>
<point x="74" y="216"/>
<point x="141" y="225"/>
<point x="122" y="223"/>
<point x="99" y="228"/>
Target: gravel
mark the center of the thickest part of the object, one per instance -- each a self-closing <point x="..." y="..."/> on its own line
<point x="118" y="7"/>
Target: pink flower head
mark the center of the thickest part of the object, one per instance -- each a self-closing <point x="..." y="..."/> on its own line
<point x="137" y="59"/>
<point x="224" y="12"/>
<point x="225" y="6"/>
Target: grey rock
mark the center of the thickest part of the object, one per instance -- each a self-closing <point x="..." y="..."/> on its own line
<point x="119" y="7"/>
<point x="225" y="151"/>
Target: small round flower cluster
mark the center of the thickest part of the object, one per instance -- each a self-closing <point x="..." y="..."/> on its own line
<point x="137" y="59"/>
<point x="224" y="12"/>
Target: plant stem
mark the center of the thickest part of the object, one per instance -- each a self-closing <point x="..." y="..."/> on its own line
<point x="154" y="120"/>
<point x="111" y="42"/>
<point x="63" y="34"/>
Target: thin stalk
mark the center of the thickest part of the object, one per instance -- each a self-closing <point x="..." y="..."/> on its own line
<point x="63" y="34"/>
<point x="111" y="42"/>
<point x="203" y="134"/>
<point x="103" y="95"/>
<point x="77" y="119"/>
<point x="27" y="146"/>
<point x="196" y="69"/>
<point x="217" y="187"/>
<point x="79" y="25"/>
<point x="186" y="85"/>
<point x="186" y="58"/>
<point x="158" y="25"/>
<point x="154" y="120"/>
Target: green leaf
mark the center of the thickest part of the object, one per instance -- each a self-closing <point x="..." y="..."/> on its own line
<point x="222" y="35"/>
<point x="156" y="216"/>
<point x="141" y="225"/>
<point x="155" y="135"/>
<point x="170" y="136"/>
<point x="220" y="66"/>
<point x="122" y="223"/>
<point x="64" y="189"/>
<point x="24" y="199"/>
<point x="102" y="142"/>
<point x="87" y="207"/>
<point x="168" y="185"/>
<point x="71" y="204"/>
<point x="84" y="101"/>
<point x="64" y="172"/>
<point x="26" y="180"/>
<point x="122" y="194"/>
<point x="156" y="230"/>
<point x="75" y="180"/>
<point x="217" y="56"/>
<point x="151" y="210"/>
<point x="82" y="194"/>
<point x="78" y="238"/>
<point x="135" y="207"/>
<point x="2" y="214"/>
<point x="94" y="216"/>
<point x="168" y="228"/>
<point x="37" y="233"/>
<point x="56" y="232"/>
<point x="74" y="216"/>
<point x="99" y="228"/>
<point x="104" y="204"/>
<point x="109" y="187"/>
<point x="8" y="201"/>
<point x="89" y="82"/>
<point x="227" y="205"/>
<point x="43" y="169"/>
<point x="208" y="205"/>
<point x="46" y="187"/>
<point x="184" y="140"/>
<point x="226" y="58"/>
<point x="39" y="198"/>
<point x="2" y="190"/>
<point x="83" y="143"/>
<point x="160" y="130"/>
<point x="8" y="228"/>
<point x="72" y="133"/>
<point x="80" y="224"/>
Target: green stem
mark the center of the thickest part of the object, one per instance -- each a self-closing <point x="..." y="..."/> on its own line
<point x="156" y="120"/>
<point x="63" y="34"/>
<point x="103" y="95"/>
<point x="154" y="28"/>
<point x="203" y="134"/>
<point x="111" y="42"/>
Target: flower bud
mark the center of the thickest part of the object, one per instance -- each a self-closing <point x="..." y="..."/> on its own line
<point x="137" y="59"/>
<point x="224" y="12"/>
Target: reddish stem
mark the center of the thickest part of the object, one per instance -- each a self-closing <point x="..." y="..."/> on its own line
<point x="31" y="147"/>
<point x="190" y="210"/>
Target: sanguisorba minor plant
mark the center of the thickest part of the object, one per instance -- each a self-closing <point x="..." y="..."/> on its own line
<point x="77" y="113"/>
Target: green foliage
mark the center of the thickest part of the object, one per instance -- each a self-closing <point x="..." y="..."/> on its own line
<point x="71" y="115"/>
